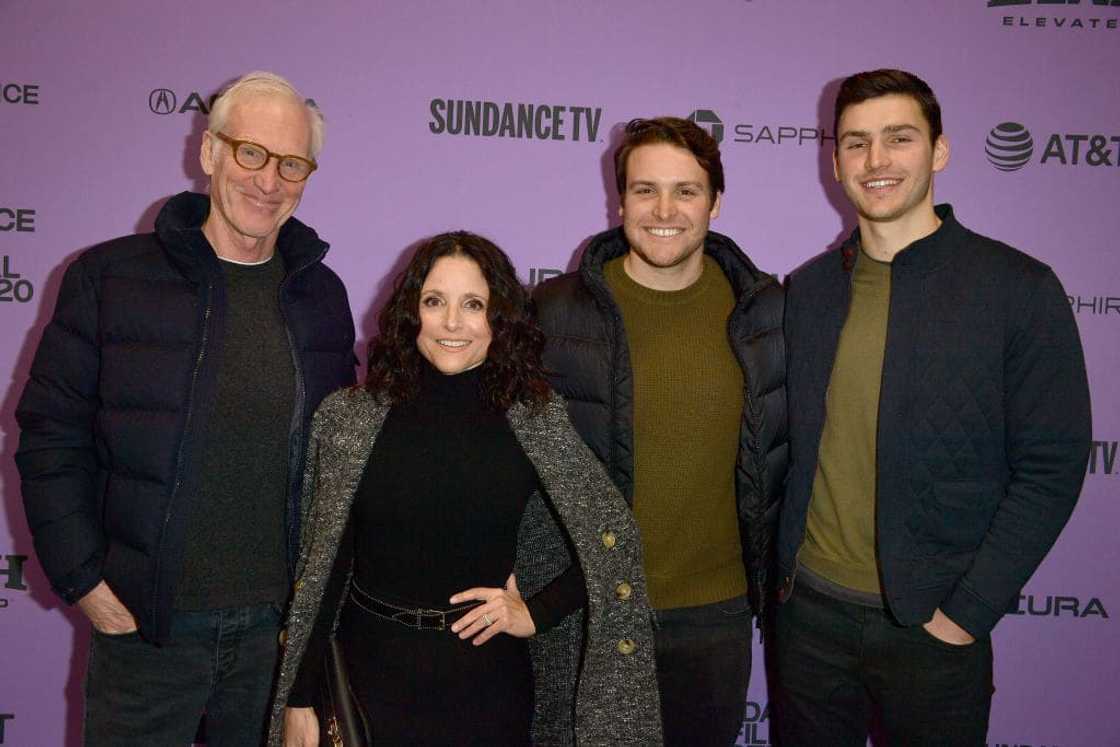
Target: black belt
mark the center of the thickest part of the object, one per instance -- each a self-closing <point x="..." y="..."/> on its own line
<point x="421" y="618"/>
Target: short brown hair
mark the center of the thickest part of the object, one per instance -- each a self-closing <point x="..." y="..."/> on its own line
<point x="872" y="84"/>
<point x="674" y="131"/>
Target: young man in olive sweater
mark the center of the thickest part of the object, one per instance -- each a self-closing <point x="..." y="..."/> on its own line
<point x="667" y="345"/>
<point x="939" y="434"/>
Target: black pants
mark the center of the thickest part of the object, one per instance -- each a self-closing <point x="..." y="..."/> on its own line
<point x="703" y="670"/>
<point x="840" y="664"/>
<point x="220" y="662"/>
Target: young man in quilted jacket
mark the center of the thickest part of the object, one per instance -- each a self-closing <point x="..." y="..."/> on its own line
<point x="939" y="426"/>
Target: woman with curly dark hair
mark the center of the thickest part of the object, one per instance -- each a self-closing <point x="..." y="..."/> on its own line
<point x="479" y="571"/>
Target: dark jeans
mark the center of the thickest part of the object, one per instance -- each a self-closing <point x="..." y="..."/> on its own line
<point x="841" y="664"/>
<point x="703" y="669"/>
<point x="220" y="662"/>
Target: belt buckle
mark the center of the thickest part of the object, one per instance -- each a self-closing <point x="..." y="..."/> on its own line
<point x="422" y="622"/>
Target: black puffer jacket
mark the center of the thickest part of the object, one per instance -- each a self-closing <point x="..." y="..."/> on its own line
<point x="589" y="363"/>
<point x="120" y="390"/>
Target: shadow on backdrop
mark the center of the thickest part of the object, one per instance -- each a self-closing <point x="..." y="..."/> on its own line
<point x="34" y="578"/>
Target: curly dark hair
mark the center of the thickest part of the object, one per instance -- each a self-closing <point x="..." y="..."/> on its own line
<point x="512" y="372"/>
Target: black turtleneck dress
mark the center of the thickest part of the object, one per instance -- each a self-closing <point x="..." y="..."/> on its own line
<point x="437" y="512"/>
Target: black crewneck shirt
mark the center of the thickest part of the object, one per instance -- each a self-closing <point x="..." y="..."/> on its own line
<point x="236" y="545"/>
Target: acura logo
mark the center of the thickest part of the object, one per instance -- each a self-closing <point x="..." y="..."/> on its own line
<point x="162" y="101"/>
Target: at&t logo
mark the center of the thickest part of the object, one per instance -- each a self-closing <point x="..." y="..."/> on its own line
<point x="1009" y="146"/>
<point x="710" y="121"/>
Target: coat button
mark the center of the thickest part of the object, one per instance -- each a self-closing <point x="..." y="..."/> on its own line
<point x="609" y="539"/>
<point x="283" y="637"/>
<point x="623" y="591"/>
<point x="627" y="646"/>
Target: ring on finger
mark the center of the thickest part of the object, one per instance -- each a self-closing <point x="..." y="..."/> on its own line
<point x="487" y="620"/>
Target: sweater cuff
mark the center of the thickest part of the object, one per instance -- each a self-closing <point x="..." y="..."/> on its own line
<point x="305" y="689"/>
<point x="561" y="597"/>
<point x="970" y="612"/>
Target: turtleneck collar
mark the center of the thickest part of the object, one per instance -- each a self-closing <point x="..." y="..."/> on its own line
<point x="465" y="386"/>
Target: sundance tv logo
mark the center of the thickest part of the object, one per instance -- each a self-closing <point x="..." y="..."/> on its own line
<point x="1010" y="146"/>
<point x="515" y="120"/>
<point x="1048" y="14"/>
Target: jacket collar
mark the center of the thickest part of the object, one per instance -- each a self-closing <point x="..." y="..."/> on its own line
<point x="740" y="271"/>
<point x="179" y="228"/>
<point x="927" y="253"/>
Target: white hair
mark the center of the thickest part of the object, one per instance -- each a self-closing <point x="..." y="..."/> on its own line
<point x="259" y="83"/>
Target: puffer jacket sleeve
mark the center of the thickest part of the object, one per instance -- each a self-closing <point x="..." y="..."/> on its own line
<point x="57" y="454"/>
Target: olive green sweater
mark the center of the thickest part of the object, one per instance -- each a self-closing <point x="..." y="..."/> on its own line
<point x="688" y="398"/>
<point x="840" y="529"/>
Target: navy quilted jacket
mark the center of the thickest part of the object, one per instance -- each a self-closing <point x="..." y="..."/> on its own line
<point x="120" y="390"/>
<point x="984" y="424"/>
<point x="589" y="365"/>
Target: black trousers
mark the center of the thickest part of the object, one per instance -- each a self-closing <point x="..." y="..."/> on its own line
<point x="703" y="659"/>
<point x="839" y="665"/>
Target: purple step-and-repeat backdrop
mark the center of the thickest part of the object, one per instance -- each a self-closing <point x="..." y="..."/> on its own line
<point x="102" y="106"/>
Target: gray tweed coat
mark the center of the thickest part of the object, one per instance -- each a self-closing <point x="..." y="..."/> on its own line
<point x="594" y="672"/>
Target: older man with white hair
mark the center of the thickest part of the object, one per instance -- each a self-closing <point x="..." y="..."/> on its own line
<point x="163" y="430"/>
